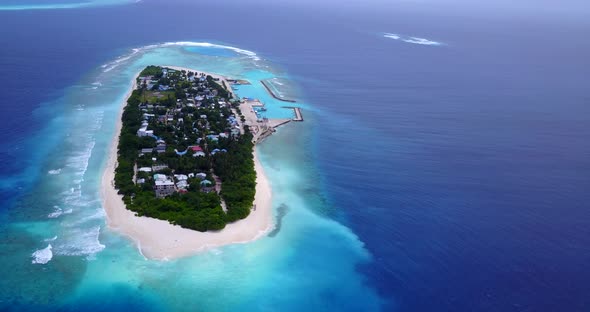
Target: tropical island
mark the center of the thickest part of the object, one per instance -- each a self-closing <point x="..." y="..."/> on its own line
<point x="183" y="173"/>
<point x="181" y="137"/>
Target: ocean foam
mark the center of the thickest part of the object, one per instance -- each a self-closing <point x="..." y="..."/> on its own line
<point x="56" y="212"/>
<point x="413" y="40"/>
<point x="54" y="171"/>
<point x="50" y="239"/>
<point x="79" y="242"/>
<point x="114" y="64"/>
<point x="42" y="256"/>
<point x="423" y="41"/>
<point x="391" y="36"/>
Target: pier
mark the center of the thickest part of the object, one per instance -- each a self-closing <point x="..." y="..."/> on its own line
<point x="271" y="92"/>
<point x="297" y="110"/>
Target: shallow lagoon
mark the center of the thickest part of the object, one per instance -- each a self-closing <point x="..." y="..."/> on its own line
<point x="309" y="256"/>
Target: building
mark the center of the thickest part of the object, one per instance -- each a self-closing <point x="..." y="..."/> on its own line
<point x="160" y="177"/>
<point x="143" y="131"/>
<point x="182" y="184"/>
<point x="161" y="148"/>
<point x="181" y="177"/>
<point x="164" y="188"/>
<point x="159" y="167"/>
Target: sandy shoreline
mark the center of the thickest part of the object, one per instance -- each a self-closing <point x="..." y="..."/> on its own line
<point x="158" y="239"/>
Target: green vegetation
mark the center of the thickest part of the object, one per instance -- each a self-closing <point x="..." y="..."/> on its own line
<point x="236" y="169"/>
<point x="195" y="138"/>
<point x="152" y="70"/>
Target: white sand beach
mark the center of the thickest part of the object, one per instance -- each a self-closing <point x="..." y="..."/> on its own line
<point x="160" y="240"/>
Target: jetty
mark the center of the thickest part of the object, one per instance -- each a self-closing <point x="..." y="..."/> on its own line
<point x="297" y="111"/>
<point x="276" y="96"/>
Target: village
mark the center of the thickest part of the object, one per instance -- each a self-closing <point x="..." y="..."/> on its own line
<point x="184" y="127"/>
<point x="188" y="139"/>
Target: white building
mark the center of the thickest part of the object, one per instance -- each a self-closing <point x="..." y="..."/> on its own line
<point x="164" y="188"/>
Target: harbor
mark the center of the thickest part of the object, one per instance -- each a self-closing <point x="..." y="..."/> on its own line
<point x="268" y="88"/>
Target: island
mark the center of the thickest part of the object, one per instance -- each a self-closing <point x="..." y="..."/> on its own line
<point x="183" y="174"/>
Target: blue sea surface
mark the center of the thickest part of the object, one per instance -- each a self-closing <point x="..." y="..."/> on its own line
<point x="443" y="163"/>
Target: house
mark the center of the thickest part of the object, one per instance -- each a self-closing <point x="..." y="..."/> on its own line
<point x="145" y="169"/>
<point x="223" y="135"/>
<point x="182" y="184"/>
<point x="164" y="188"/>
<point x="160" y="177"/>
<point x="213" y="137"/>
<point x="201" y="176"/>
<point x="159" y="167"/>
<point x="199" y="154"/>
<point x="181" y="177"/>
<point x="196" y="148"/>
<point x="140" y="181"/>
<point x="206" y="183"/>
<point x="147" y="150"/>
<point x="143" y="131"/>
<point x="161" y="148"/>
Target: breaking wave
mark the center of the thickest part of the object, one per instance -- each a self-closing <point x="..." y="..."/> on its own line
<point x="56" y="213"/>
<point x="79" y="242"/>
<point x="54" y="171"/>
<point x="114" y="64"/>
<point x="42" y="256"/>
<point x="50" y="239"/>
<point x="413" y="40"/>
<point x="391" y="36"/>
<point x="423" y="41"/>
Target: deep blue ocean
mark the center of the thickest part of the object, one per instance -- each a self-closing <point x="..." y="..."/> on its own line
<point x="450" y="142"/>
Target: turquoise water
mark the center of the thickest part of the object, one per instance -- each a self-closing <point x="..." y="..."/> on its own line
<point x="10" y="5"/>
<point x="309" y="256"/>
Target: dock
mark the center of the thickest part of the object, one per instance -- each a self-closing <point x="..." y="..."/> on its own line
<point x="271" y="92"/>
